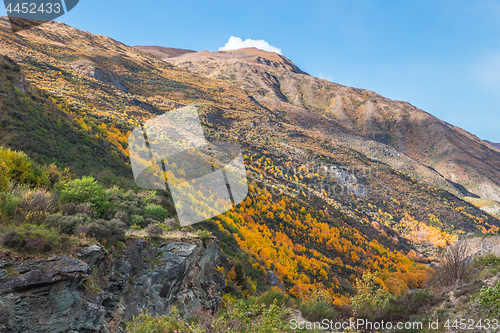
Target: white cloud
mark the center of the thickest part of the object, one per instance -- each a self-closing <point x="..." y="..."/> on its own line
<point x="235" y="43"/>
<point x="325" y="77"/>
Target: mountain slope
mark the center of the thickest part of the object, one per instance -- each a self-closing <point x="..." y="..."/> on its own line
<point x="320" y="208"/>
<point x="385" y="127"/>
<point x="493" y="144"/>
<point x="33" y="122"/>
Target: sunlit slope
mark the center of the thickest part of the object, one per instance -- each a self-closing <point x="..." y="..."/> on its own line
<point x="339" y="202"/>
<point x="402" y="135"/>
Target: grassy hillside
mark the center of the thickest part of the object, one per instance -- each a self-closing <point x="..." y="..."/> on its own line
<point x="40" y="125"/>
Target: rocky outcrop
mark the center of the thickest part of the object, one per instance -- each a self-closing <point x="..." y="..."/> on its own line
<point x="89" y="69"/>
<point x="99" y="290"/>
<point x="274" y="280"/>
<point x="20" y="83"/>
<point x="481" y="246"/>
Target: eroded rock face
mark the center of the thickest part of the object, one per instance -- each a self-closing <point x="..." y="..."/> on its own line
<point x="274" y="280"/>
<point x="44" y="294"/>
<point x="100" y="291"/>
<point x="481" y="246"/>
<point x="89" y="69"/>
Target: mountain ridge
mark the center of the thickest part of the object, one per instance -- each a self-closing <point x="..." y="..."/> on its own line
<point x="493" y="144"/>
<point x="162" y="52"/>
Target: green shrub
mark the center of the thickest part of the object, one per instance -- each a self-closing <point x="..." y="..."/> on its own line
<point x="236" y="316"/>
<point x="86" y="190"/>
<point x="67" y="224"/>
<point x="490" y="261"/>
<point x="318" y="311"/>
<point x="205" y="235"/>
<point x="4" y="176"/>
<point x="487" y="260"/>
<point x="37" y="239"/>
<point x="126" y="203"/>
<point x="18" y="168"/>
<point x="370" y="293"/>
<point x="154" y="230"/>
<point x="145" y="323"/>
<point x="401" y="307"/>
<point x="149" y="220"/>
<point x="317" y="305"/>
<point x="13" y="240"/>
<point x="137" y="220"/>
<point x="274" y="295"/>
<point x="157" y="211"/>
<point x="489" y="298"/>
<point x="104" y="231"/>
<point x="92" y="282"/>
<point x="57" y="176"/>
<point x="8" y="204"/>
<point x="166" y="228"/>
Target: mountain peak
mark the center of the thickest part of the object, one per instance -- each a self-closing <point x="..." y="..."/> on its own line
<point x="265" y="57"/>
<point x="250" y="55"/>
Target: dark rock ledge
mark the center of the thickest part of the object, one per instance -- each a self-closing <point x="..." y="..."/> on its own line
<point x="101" y="290"/>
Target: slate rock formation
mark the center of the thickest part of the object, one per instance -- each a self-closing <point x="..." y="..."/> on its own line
<point x="101" y="290"/>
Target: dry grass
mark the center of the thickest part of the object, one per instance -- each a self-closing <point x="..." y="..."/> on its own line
<point x="166" y="236"/>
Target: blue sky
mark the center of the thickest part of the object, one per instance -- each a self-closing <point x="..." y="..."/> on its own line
<point x="442" y="56"/>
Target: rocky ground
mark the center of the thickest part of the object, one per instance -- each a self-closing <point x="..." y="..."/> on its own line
<point x="96" y="290"/>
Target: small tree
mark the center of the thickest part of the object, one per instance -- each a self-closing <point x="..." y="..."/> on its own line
<point x="370" y="294"/>
<point x="4" y="179"/>
<point x="456" y="266"/>
<point x="18" y="168"/>
<point x="317" y="305"/>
